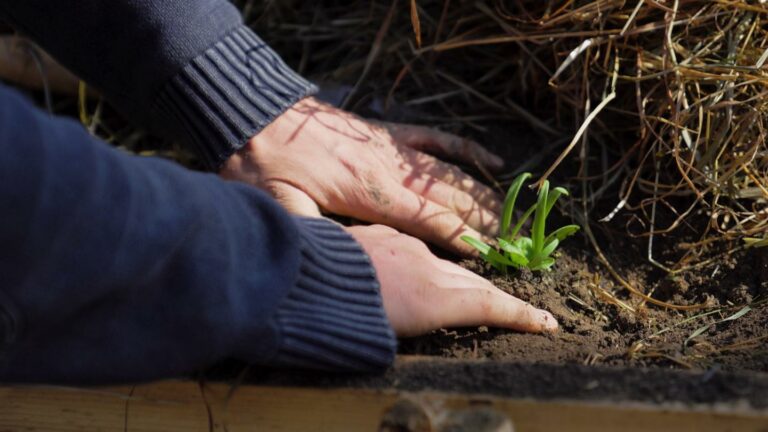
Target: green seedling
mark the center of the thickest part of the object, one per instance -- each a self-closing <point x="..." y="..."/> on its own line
<point x="518" y="251"/>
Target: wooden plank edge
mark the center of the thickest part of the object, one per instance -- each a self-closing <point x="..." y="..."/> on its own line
<point x="188" y="406"/>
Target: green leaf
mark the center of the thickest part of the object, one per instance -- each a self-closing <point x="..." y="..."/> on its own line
<point x="501" y="259"/>
<point x="514" y="253"/>
<point x="539" y="219"/>
<point x="549" y="248"/>
<point x="525" y="244"/>
<point x="477" y="244"/>
<point x="520" y="251"/>
<point x="520" y="223"/>
<point x="561" y="233"/>
<point x="544" y="264"/>
<point x="510" y="247"/>
<point x="489" y="254"/>
<point x="554" y="195"/>
<point x="509" y="202"/>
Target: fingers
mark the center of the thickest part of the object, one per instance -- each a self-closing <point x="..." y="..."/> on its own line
<point x="376" y="195"/>
<point x="461" y="203"/>
<point x="379" y="232"/>
<point x="389" y="203"/>
<point x="483" y="304"/>
<point x="419" y="164"/>
<point x="435" y="293"/>
<point x="444" y="144"/>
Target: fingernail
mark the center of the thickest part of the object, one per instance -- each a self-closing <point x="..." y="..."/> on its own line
<point x="549" y="322"/>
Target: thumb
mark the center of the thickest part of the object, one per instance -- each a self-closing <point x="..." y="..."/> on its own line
<point x="293" y="199"/>
<point x="488" y="305"/>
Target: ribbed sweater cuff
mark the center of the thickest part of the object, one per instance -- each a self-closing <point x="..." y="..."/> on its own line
<point x="228" y="94"/>
<point x="333" y="318"/>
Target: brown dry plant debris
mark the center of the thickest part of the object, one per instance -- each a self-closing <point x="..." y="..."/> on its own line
<point x="680" y="150"/>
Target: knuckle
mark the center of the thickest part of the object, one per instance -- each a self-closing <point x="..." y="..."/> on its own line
<point x="412" y="242"/>
<point x="384" y="230"/>
<point x="462" y="202"/>
<point x="447" y="223"/>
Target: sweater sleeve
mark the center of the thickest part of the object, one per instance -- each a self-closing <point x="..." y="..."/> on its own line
<point x="115" y="268"/>
<point x="187" y="69"/>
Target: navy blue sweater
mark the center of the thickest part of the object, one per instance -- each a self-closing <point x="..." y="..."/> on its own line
<point x="117" y="268"/>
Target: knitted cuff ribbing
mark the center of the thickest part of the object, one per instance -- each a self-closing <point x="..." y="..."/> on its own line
<point x="229" y="93"/>
<point x="334" y="318"/>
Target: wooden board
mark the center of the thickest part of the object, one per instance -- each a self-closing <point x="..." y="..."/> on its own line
<point x="187" y="406"/>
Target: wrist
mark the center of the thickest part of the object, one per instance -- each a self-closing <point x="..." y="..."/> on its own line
<point x="333" y="317"/>
<point x="227" y="94"/>
<point x="242" y="164"/>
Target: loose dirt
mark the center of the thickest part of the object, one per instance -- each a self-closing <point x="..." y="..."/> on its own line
<point x="596" y="329"/>
<point x="600" y="322"/>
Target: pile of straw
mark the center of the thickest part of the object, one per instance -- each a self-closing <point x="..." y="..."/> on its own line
<point x="656" y="107"/>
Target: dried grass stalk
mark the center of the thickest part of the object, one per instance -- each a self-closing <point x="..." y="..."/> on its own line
<point x="682" y="146"/>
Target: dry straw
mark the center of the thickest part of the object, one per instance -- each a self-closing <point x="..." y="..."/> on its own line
<point x="657" y="107"/>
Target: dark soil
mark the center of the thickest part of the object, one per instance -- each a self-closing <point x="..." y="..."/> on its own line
<point x="545" y="382"/>
<point x="595" y="330"/>
<point x="580" y="292"/>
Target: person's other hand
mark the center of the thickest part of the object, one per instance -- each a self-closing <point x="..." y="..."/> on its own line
<point x="315" y="154"/>
<point x="422" y="292"/>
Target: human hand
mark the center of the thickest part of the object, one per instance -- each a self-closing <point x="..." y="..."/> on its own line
<point x="315" y="154"/>
<point x="422" y="293"/>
